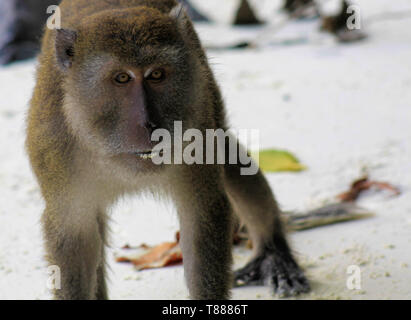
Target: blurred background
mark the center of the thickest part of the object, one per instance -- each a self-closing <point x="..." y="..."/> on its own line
<point x="338" y="98"/>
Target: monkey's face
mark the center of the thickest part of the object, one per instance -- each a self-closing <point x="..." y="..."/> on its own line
<point x="125" y="77"/>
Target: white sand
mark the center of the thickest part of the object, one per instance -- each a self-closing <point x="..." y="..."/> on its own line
<point x="341" y="108"/>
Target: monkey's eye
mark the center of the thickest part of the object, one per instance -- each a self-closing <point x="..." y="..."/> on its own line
<point x="123" y="78"/>
<point x="156" y="75"/>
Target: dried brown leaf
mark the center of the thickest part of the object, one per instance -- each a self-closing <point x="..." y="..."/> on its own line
<point x="163" y="255"/>
<point x="363" y="184"/>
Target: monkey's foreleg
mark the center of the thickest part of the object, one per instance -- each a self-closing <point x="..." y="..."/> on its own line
<point x="74" y="243"/>
<point x="206" y="238"/>
<point x="273" y="261"/>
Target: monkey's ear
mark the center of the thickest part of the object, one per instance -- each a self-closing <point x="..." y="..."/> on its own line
<point x="178" y="13"/>
<point x="64" y="44"/>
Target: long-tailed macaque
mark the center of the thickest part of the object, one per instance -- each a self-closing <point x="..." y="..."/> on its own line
<point x="114" y="73"/>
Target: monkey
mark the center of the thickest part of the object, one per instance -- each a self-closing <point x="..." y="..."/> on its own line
<point x="117" y="71"/>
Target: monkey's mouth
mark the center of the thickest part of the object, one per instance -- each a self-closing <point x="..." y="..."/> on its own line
<point x="148" y="154"/>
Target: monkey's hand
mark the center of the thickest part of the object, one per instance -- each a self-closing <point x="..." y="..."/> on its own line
<point x="277" y="269"/>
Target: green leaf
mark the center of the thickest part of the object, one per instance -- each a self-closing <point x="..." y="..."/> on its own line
<point x="278" y="160"/>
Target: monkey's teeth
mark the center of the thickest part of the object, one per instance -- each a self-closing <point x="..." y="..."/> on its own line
<point x="147" y="155"/>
